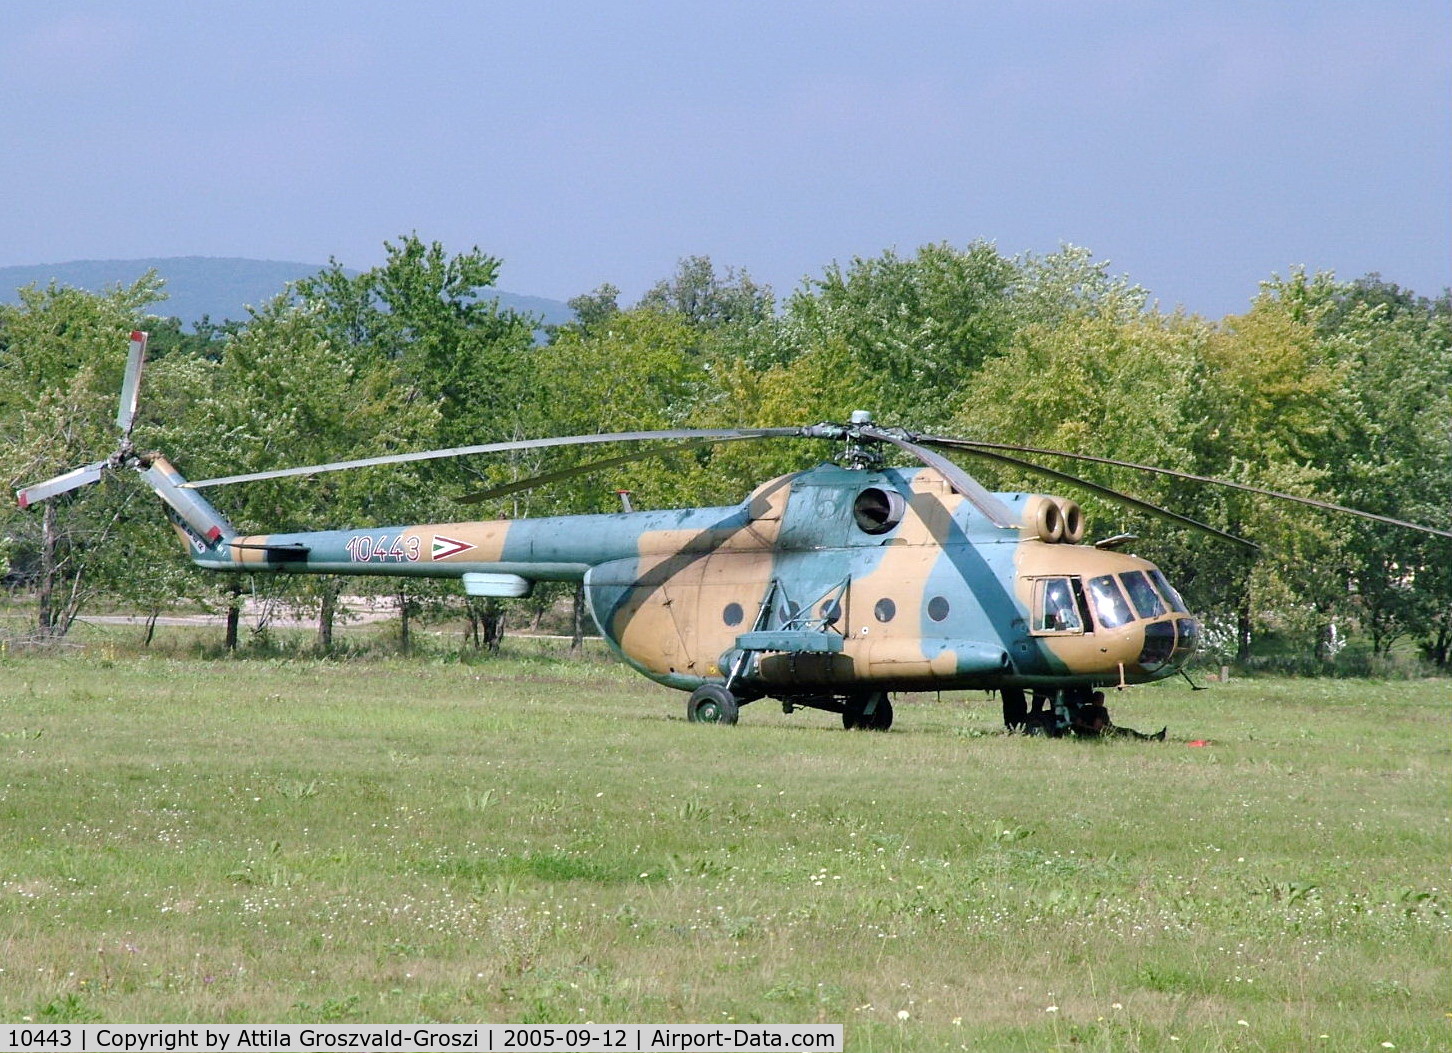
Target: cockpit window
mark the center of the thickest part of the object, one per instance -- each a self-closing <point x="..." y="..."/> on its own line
<point x="1055" y="610"/>
<point x="1168" y="592"/>
<point x="1109" y="604"/>
<point x="1142" y="594"/>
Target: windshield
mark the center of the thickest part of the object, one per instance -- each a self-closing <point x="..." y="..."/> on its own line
<point x="1142" y="594"/>
<point x="1168" y="592"/>
<point x="1110" y="607"/>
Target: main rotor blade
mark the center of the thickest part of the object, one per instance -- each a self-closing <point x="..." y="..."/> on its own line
<point x="995" y="510"/>
<point x="504" y="489"/>
<point x="131" y="386"/>
<point x="968" y="444"/>
<point x="60" y="484"/>
<point x="1115" y="495"/>
<point x="500" y="447"/>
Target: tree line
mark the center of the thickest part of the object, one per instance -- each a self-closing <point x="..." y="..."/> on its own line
<point x="1340" y="390"/>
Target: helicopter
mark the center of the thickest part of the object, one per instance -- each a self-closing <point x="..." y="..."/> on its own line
<point x="830" y="588"/>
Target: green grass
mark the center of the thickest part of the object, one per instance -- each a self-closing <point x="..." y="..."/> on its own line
<point x="533" y="840"/>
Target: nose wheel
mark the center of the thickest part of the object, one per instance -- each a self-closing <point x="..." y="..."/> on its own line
<point x="712" y="704"/>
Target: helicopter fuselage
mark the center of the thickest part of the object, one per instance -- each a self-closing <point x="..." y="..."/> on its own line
<point x="831" y="580"/>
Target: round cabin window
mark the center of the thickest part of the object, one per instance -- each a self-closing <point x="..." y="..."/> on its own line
<point x="876" y="511"/>
<point x="732" y="614"/>
<point x="885" y="610"/>
<point x="830" y="612"/>
<point x="938" y="608"/>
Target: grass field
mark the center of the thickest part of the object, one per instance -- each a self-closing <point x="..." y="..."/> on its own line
<point x="537" y="840"/>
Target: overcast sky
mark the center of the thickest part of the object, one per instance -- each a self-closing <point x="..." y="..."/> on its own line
<point x="1197" y="146"/>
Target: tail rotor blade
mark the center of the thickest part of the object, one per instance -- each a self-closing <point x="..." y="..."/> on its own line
<point x="131" y="386"/>
<point x="60" y="484"/>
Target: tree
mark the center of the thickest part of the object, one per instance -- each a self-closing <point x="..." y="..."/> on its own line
<point x="428" y="312"/>
<point x="636" y="372"/>
<point x="61" y="362"/>
<point x="915" y="328"/>
<point x="1391" y="447"/>
<point x="287" y="393"/>
<point x="425" y="319"/>
<point x="1269" y="401"/>
<point x="1093" y="384"/>
<point x="708" y="301"/>
<point x="595" y="307"/>
<point x="1055" y="289"/>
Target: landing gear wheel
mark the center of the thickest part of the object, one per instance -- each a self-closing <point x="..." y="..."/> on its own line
<point x="712" y="704"/>
<point x="1015" y="708"/>
<point x="856" y="718"/>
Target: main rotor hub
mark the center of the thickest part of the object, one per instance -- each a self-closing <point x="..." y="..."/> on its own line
<point x="862" y="439"/>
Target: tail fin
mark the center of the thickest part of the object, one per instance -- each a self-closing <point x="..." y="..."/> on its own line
<point x="205" y="526"/>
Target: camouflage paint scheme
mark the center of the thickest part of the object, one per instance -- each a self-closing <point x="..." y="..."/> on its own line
<point x="940" y="599"/>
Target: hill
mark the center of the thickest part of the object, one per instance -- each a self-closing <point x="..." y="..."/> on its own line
<point x="219" y="287"/>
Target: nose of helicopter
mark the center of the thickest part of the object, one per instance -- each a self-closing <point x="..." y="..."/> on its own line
<point x="1169" y="643"/>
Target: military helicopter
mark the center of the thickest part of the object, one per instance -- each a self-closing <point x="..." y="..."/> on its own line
<point x="829" y="588"/>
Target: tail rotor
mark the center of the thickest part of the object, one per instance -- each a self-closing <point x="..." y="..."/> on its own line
<point x="125" y="455"/>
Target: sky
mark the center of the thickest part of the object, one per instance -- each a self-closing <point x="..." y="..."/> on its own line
<point x="1198" y="147"/>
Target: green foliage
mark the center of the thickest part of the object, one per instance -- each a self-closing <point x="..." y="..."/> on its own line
<point x="705" y="300"/>
<point x="423" y="310"/>
<point x="61" y="362"/>
<point x="636" y="370"/>
<point x="1328" y="389"/>
<point x="595" y="307"/>
<point x="913" y="329"/>
<point x="287" y="391"/>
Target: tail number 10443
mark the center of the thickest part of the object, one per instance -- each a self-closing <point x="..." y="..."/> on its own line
<point x="385" y="548"/>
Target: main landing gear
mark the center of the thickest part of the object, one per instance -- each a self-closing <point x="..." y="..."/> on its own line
<point x="867" y="712"/>
<point x="1015" y="708"/>
<point x="716" y="704"/>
